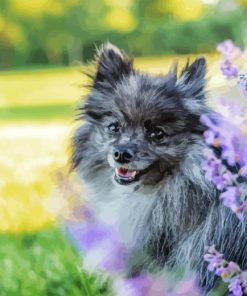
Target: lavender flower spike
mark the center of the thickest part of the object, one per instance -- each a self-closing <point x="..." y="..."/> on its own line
<point x="229" y="52"/>
<point x="228" y="69"/>
<point x="226" y="168"/>
<point x="230" y="272"/>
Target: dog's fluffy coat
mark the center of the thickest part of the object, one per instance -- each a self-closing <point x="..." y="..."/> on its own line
<point x="172" y="213"/>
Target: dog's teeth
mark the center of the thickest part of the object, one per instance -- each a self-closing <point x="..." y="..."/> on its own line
<point x="131" y="174"/>
<point x="122" y="172"/>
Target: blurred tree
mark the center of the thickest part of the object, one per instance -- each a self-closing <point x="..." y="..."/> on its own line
<point x="61" y="31"/>
<point x="120" y="15"/>
<point x="185" y="10"/>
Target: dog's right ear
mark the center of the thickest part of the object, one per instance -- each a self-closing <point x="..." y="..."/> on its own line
<point x="192" y="79"/>
<point x="112" y="65"/>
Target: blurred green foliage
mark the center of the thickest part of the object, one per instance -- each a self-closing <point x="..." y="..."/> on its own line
<point x="42" y="112"/>
<point x="61" y="31"/>
<point x="44" y="263"/>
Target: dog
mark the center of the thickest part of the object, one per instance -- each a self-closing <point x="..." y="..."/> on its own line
<point x="139" y="152"/>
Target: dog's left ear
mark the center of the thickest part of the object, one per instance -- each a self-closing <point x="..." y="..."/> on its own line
<point x="112" y="65"/>
<point x="192" y="79"/>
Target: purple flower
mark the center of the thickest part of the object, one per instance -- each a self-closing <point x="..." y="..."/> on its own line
<point x="229" y="50"/>
<point x="137" y="286"/>
<point x="242" y="81"/>
<point x="230" y="272"/>
<point x="101" y="246"/>
<point x="212" y="169"/>
<point x="232" y="141"/>
<point x="231" y="197"/>
<point x="214" y="258"/>
<point x="186" y="288"/>
<point x="219" y="181"/>
<point x="211" y="123"/>
<point x="243" y="171"/>
<point x="209" y="136"/>
<point x="216" y="171"/>
<point x="142" y="285"/>
<point x="241" y="209"/>
<point x="145" y="285"/>
<point x="235" y="286"/>
<point x="228" y="69"/>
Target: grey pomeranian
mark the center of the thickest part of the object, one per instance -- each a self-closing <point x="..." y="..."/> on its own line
<point x="139" y="152"/>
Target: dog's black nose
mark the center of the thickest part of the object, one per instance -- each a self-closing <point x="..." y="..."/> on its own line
<point x="123" y="155"/>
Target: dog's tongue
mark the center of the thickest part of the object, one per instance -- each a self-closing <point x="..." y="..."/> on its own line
<point x="125" y="173"/>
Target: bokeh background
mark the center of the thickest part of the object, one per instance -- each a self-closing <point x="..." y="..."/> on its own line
<point x="43" y="46"/>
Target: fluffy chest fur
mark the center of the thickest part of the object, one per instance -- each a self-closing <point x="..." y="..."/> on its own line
<point x="163" y="214"/>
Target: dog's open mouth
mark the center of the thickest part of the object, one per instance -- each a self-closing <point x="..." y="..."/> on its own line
<point x="124" y="176"/>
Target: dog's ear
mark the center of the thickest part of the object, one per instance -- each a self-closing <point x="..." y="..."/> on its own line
<point x="112" y="65"/>
<point x="192" y="79"/>
<point x="171" y="79"/>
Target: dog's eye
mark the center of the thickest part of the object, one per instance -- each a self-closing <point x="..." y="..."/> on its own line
<point x="157" y="134"/>
<point x="113" y="127"/>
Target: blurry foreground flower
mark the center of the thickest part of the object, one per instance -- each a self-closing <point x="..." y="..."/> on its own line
<point x="230" y="272"/>
<point x="186" y="288"/>
<point x="146" y="285"/>
<point x="143" y="285"/>
<point x="100" y="245"/>
<point x="103" y="251"/>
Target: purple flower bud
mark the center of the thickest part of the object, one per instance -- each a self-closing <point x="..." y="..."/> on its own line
<point x="228" y="69"/>
<point x="142" y="285"/>
<point x="228" y="271"/>
<point x="214" y="258"/>
<point x="229" y="52"/>
<point x="186" y="288"/>
<point x="209" y="136"/>
<point x="235" y="286"/>
<point x="231" y="197"/>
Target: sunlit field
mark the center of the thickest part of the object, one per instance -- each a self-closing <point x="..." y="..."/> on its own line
<point x="36" y="125"/>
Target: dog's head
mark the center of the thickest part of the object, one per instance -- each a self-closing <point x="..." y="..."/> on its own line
<point x="139" y="124"/>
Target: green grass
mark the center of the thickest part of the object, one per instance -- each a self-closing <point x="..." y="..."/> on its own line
<point x="43" y="112"/>
<point x="44" y="263"/>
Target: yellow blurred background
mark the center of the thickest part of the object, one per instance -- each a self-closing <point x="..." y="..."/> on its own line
<point x="36" y="134"/>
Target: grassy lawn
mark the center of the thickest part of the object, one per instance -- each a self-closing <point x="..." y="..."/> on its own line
<point x="40" y="113"/>
<point x="43" y="263"/>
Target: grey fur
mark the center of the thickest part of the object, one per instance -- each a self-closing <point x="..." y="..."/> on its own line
<point x="172" y="213"/>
